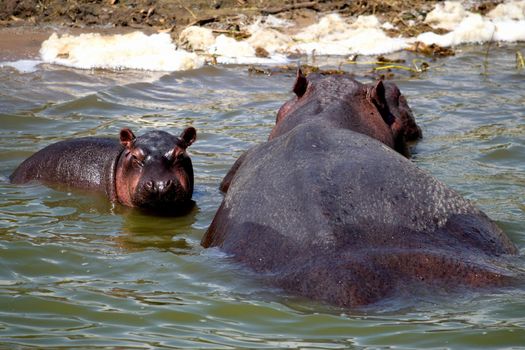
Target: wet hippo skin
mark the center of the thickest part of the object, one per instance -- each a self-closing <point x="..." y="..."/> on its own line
<point x="333" y="214"/>
<point x="152" y="171"/>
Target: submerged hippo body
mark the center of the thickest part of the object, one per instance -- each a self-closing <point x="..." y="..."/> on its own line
<point x="152" y="171"/>
<point x="335" y="215"/>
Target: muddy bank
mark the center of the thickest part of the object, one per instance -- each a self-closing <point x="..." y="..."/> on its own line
<point x="24" y="26"/>
<point x="175" y="15"/>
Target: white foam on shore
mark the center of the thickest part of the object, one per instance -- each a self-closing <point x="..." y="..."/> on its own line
<point x="335" y="35"/>
<point x="230" y="51"/>
<point x="447" y="15"/>
<point x="226" y="46"/>
<point x="197" y="38"/>
<point x="136" y="50"/>
<point x="268" y="22"/>
<point x="271" y="60"/>
<point x="271" y="40"/>
<point x="504" y="23"/>
<point x="23" y="66"/>
<point x="514" y="10"/>
<point x="331" y="35"/>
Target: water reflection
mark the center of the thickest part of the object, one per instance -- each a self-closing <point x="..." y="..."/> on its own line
<point x="141" y="231"/>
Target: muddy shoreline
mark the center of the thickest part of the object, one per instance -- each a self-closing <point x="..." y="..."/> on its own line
<point x="174" y="15"/>
<point x="24" y="25"/>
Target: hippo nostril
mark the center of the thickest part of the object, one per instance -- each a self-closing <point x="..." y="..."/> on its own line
<point x="161" y="188"/>
<point x="150" y="185"/>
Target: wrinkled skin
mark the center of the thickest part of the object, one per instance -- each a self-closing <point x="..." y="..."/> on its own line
<point x="152" y="171"/>
<point x="335" y="215"/>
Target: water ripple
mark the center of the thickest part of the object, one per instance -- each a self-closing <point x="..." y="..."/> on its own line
<point x="78" y="271"/>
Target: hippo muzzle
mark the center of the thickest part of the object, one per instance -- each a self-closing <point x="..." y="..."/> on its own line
<point x="166" y="192"/>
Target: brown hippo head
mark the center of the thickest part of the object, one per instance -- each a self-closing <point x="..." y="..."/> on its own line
<point x="154" y="171"/>
<point x="377" y="110"/>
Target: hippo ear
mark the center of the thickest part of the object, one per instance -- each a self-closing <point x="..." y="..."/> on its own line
<point x="126" y="137"/>
<point x="189" y="135"/>
<point x="378" y="98"/>
<point x="300" y="84"/>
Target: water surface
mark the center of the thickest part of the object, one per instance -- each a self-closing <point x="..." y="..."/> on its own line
<point x="77" y="271"/>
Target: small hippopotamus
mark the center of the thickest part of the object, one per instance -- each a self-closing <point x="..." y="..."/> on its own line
<point x="329" y="209"/>
<point x="151" y="171"/>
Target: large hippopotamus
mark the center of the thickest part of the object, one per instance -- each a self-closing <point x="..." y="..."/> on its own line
<point x="151" y="171"/>
<point x="329" y="209"/>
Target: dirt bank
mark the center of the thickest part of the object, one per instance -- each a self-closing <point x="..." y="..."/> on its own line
<point x="174" y="15"/>
<point x="24" y="24"/>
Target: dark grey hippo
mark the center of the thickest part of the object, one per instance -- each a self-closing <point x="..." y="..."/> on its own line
<point x="152" y="171"/>
<point x="328" y="209"/>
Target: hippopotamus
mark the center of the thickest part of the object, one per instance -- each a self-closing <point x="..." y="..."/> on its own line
<point x="152" y="171"/>
<point x="331" y="209"/>
<point x="340" y="101"/>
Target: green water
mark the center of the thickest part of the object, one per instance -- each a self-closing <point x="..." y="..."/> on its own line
<point x="77" y="271"/>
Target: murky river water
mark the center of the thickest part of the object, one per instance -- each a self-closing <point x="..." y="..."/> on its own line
<point x="77" y="271"/>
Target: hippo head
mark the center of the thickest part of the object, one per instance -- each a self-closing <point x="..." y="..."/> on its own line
<point x="404" y="122"/>
<point x="154" y="171"/>
<point x="378" y="110"/>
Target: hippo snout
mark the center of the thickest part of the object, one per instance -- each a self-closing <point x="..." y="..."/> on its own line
<point x="161" y="194"/>
<point x="159" y="187"/>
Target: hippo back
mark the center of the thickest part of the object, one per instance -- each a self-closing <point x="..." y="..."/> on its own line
<point x="335" y="215"/>
<point x="85" y="163"/>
